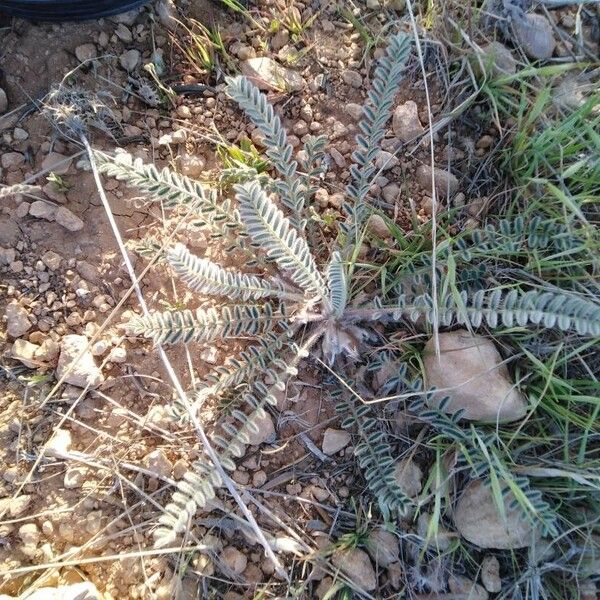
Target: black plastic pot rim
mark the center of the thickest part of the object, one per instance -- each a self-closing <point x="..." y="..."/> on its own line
<point x="66" y="10"/>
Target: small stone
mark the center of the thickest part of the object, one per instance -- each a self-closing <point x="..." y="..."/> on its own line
<point x="52" y="260"/>
<point x="59" y="444"/>
<point x="378" y="227"/>
<point x="56" y="163"/>
<point x="352" y="78"/>
<point x="490" y="574"/>
<point x="233" y="560"/>
<point x="465" y="588"/>
<point x="267" y="74"/>
<point x="405" y="122"/>
<point x="167" y="14"/>
<point x="470" y="371"/>
<point x="386" y="160"/>
<point x="391" y="192"/>
<point x="494" y="59"/>
<point x="445" y="183"/>
<point x="130" y="60"/>
<point x="409" y="477"/>
<point x="265" y="431"/>
<point x="47" y="351"/>
<point x="477" y="519"/>
<point x="117" y="355"/>
<point x="68" y="220"/>
<point x="20" y="134"/>
<point x="86" y="52"/>
<point x="354" y="111"/>
<point x="280" y="39"/>
<point x="82" y="373"/>
<point x="210" y="355"/>
<point x="24" y="351"/>
<point x="440" y="537"/>
<point x="535" y="35"/>
<point x="11" y="160"/>
<point x="259" y="479"/>
<point x="335" y="440"/>
<point x="383" y="547"/>
<point x="158" y="463"/>
<point x="3" y="101"/>
<point x="74" y="477"/>
<point x="100" y="347"/>
<point x="180" y="468"/>
<point x="29" y="534"/>
<point x="42" y="210"/>
<point x="355" y="564"/>
<point x="191" y="165"/>
<point x="79" y="591"/>
<point x="123" y="33"/>
<point x="16" y="506"/>
<point x="17" y="320"/>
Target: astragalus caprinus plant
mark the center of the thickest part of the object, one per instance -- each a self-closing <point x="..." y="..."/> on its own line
<point x="289" y="303"/>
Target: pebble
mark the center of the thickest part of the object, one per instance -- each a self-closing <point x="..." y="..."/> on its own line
<point x="268" y="74"/>
<point x="17" y="320"/>
<point x="157" y="462"/>
<point x="409" y="477"/>
<point x="352" y="78"/>
<point x="265" y="431"/>
<point x="191" y="165"/>
<point x="478" y="520"/>
<point x="11" y="160"/>
<point x="86" y="52"/>
<point x="233" y="560"/>
<point x="20" y="134"/>
<point x="280" y="39"/>
<point x="386" y="160"/>
<point x="446" y="183"/>
<point x="56" y="163"/>
<point x="43" y="210"/>
<point x="405" y="122"/>
<point x="15" y="506"/>
<point x="356" y="565"/>
<point x="78" y="591"/>
<point x="59" y="444"/>
<point x="378" y="227"/>
<point x="84" y="372"/>
<point x="167" y="14"/>
<point x="130" y="60"/>
<point x="117" y="355"/>
<point x="440" y="537"/>
<point x="3" y="101"/>
<point x="335" y="440"/>
<point x="74" y="477"/>
<point x="490" y="574"/>
<point x="24" y="351"/>
<point x="496" y="59"/>
<point x="52" y="260"/>
<point x="383" y="547"/>
<point x="123" y="33"/>
<point x="68" y="220"/>
<point x="391" y="192"/>
<point x="470" y="371"/>
<point x="354" y="111"/>
<point x="535" y="35"/>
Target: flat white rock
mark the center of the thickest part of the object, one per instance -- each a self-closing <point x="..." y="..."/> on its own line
<point x="84" y="371"/>
<point x="269" y="75"/>
<point x="335" y="440"/>
<point x="477" y="519"/>
<point x="470" y="371"/>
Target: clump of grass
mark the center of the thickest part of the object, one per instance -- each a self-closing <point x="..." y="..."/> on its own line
<point x="545" y="235"/>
